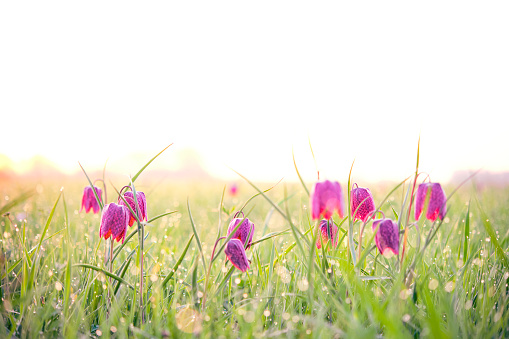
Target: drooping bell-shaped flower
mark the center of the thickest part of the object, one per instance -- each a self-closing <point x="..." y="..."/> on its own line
<point x="236" y="253"/>
<point x="326" y="197"/>
<point x="245" y="230"/>
<point x="142" y="204"/>
<point x="89" y="202"/>
<point x="362" y="204"/>
<point x="387" y="236"/>
<point x="114" y="221"/>
<point x="329" y="232"/>
<point x="436" y="205"/>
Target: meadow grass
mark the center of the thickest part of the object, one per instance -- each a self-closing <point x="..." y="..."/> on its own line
<point x="451" y="282"/>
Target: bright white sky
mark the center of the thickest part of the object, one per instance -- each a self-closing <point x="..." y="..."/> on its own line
<point x="244" y="82"/>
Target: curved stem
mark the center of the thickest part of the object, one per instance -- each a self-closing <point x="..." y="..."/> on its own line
<point x="120" y="192"/>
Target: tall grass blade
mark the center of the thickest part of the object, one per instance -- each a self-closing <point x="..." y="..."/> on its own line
<point x="33" y="267"/>
<point x="197" y="237"/>
<point x="101" y="204"/>
<point x="467" y="234"/>
<point x="148" y="163"/>
<point x="177" y="264"/>
<point x="16" y="201"/>
<point x="109" y="274"/>
<point x="493" y="236"/>
<point x="298" y="174"/>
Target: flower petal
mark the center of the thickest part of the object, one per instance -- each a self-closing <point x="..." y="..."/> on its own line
<point x="245" y="230"/>
<point x="236" y="254"/>
<point x="387" y="236"/>
<point x="329" y="232"/>
<point x="326" y="197"/>
<point x="361" y="200"/>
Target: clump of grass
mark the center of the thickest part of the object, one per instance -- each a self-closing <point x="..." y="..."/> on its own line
<point x="451" y="281"/>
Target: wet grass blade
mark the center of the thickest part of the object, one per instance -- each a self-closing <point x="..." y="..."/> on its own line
<point x="493" y="236"/>
<point x="109" y="274"/>
<point x="16" y="201"/>
<point x="197" y="237"/>
<point x="33" y="268"/>
<point x="466" y="235"/>
<point x="177" y="264"/>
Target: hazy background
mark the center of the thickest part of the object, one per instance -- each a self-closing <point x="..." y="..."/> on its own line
<point x="241" y="84"/>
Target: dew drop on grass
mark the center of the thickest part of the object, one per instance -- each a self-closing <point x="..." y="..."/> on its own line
<point x="303" y="285"/>
<point x="433" y="284"/>
<point x="449" y="287"/>
<point x="406" y="318"/>
<point x="58" y="286"/>
<point x="249" y="317"/>
<point x="404" y="294"/>
<point x="266" y="313"/>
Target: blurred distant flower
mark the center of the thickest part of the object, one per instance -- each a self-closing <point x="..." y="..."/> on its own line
<point x="329" y="232"/>
<point x="89" y="202"/>
<point x="114" y="221"/>
<point x="436" y="205"/>
<point x="326" y="198"/>
<point x="236" y="254"/>
<point x="361" y="200"/>
<point x="245" y="230"/>
<point x="233" y="189"/>
<point x="387" y="236"/>
<point x="142" y="204"/>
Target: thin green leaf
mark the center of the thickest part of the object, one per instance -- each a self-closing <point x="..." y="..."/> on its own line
<point x="109" y="274"/>
<point x="148" y="163"/>
<point x="177" y="264"/>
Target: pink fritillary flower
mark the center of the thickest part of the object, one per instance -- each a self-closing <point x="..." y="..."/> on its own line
<point x="387" y="236"/>
<point x="236" y="254"/>
<point x="142" y="204"/>
<point x="89" y="202"/>
<point x="437" y="199"/>
<point x="245" y="230"/>
<point x="361" y="200"/>
<point x="329" y="232"/>
<point x="114" y="221"/>
<point x="326" y="198"/>
<point x="233" y="189"/>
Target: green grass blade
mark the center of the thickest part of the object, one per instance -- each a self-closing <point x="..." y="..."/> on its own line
<point x="109" y="274"/>
<point x="298" y="174"/>
<point x="197" y="237"/>
<point x="148" y="163"/>
<point x="466" y="235"/>
<point x="16" y="201"/>
<point x="160" y="216"/>
<point x="493" y="236"/>
<point x="177" y="264"/>
<point x="33" y="268"/>
<point x="93" y="188"/>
